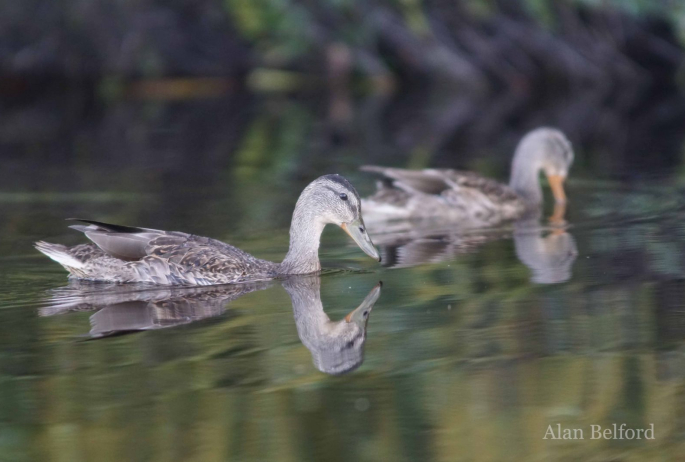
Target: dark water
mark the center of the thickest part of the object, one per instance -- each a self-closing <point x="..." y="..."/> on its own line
<point x="476" y="345"/>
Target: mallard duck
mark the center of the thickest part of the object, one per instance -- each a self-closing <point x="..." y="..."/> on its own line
<point x="127" y="254"/>
<point x="337" y="347"/>
<point x="468" y="199"/>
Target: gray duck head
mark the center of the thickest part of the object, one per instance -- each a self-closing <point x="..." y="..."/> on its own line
<point x="545" y="149"/>
<point x="329" y="199"/>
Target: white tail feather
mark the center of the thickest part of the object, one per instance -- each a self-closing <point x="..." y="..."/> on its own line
<point x="59" y="253"/>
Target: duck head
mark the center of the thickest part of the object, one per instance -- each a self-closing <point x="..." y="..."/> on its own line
<point x="545" y="149"/>
<point x="334" y="200"/>
<point x="556" y="161"/>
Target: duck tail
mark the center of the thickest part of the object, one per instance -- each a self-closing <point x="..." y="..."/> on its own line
<point x="60" y="254"/>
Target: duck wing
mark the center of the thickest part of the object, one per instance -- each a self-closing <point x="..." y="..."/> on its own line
<point x="175" y="256"/>
<point x="208" y="256"/>
<point x="123" y="242"/>
<point x="488" y="199"/>
<point x="421" y="181"/>
<point x="461" y="181"/>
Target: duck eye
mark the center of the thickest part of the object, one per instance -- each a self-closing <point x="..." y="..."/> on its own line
<point x="343" y="196"/>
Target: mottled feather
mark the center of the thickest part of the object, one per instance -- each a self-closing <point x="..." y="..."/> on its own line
<point x="446" y="194"/>
<point x="467" y="199"/>
<point x="128" y="254"/>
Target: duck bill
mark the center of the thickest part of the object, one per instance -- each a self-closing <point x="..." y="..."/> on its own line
<point x="556" y="182"/>
<point x="361" y="313"/>
<point x="354" y="229"/>
<point x="557" y="217"/>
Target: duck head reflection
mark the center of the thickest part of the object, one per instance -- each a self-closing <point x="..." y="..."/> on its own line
<point x="549" y="254"/>
<point x="337" y="347"/>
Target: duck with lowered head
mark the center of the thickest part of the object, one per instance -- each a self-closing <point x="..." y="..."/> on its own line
<point x="469" y="199"/>
<point x="127" y="254"/>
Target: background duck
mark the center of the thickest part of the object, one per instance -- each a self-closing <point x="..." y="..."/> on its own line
<point x="127" y="254"/>
<point x="470" y="199"/>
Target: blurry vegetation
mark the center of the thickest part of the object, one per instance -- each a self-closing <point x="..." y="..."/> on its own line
<point x="406" y="82"/>
<point x="454" y="41"/>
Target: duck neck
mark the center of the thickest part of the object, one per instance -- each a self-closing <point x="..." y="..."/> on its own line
<point x="525" y="174"/>
<point x="305" y="235"/>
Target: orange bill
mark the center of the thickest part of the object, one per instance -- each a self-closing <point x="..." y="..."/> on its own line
<point x="557" y="217"/>
<point x="556" y="182"/>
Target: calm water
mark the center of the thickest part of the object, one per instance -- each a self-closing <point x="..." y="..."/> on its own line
<point x="475" y="345"/>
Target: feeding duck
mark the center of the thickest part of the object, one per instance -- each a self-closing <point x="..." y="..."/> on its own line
<point x="468" y="198"/>
<point x="128" y="254"/>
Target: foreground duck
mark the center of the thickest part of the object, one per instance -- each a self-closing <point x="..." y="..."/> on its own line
<point x="127" y="254"/>
<point x="468" y="198"/>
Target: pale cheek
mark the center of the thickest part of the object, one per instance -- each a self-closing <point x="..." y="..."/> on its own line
<point x="338" y="217"/>
<point x="349" y="214"/>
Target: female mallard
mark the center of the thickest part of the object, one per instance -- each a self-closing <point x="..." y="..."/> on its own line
<point x="469" y="198"/>
<point x="125" y="254"/>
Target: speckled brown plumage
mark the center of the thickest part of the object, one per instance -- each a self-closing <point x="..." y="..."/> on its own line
<point x="132" y="254"/>
<point x="467" y="199"/>
<point x="442" y="193"/>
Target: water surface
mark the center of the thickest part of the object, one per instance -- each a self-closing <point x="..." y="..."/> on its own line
<point x="475" y="346"/>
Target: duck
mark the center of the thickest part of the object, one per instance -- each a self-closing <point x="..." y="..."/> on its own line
<point x="126" y="254"/>
<point x="468" y="199"/>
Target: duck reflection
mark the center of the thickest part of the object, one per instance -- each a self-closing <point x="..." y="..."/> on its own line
<point x="549" y="254"/>
<point x="126" y="308"/>
<point x="549" y="250"/>
<point x="336" y="347"/>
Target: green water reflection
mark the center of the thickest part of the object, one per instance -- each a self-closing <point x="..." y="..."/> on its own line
<point x="468" y="355"/>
